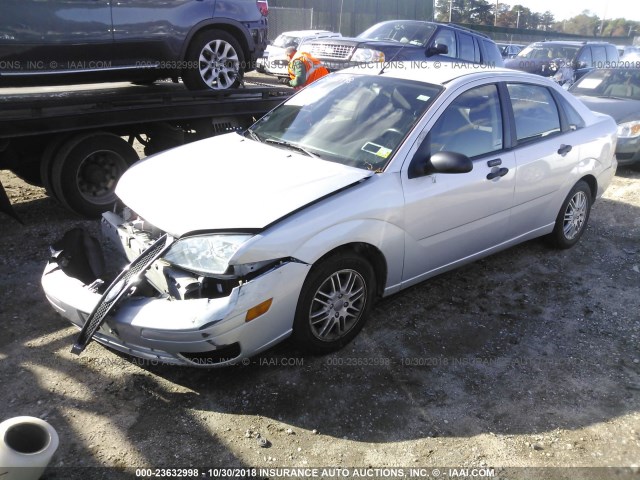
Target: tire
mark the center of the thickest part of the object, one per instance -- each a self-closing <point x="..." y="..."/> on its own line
<point x="46" y="164"/>
<point x="215" y="60"/>
<point x="86" y="169"/>
<point x="324" y="321"/>
<point x="572" y="219"/>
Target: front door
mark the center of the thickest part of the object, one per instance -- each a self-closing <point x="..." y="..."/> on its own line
<point x="450" y="217"/>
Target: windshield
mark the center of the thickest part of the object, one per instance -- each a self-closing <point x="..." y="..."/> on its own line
<point x="548" y="52"/>
<point x="285" y="41"/>
<point x="622" y="83"/>
<point x="354" y="120"/>
<point x="408" y="32"/>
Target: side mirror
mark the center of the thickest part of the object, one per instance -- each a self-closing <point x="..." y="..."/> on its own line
<point x="437" y="49"/>
<point x="440" y="162"/>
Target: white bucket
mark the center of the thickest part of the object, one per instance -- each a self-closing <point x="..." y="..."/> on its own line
<point x="26" y="447"/>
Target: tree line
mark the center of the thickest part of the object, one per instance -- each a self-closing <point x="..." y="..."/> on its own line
<point x="481" y="12"/>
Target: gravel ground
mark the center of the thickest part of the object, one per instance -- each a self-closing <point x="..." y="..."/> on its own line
<point x="528" y="358"/>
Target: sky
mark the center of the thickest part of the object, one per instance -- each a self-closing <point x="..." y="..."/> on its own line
<point x="565" y="9"/>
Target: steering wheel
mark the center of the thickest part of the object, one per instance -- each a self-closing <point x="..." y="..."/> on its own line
<point x="390" y="137"/>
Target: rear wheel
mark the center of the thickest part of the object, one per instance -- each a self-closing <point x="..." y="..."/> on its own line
<point x="215" y="61"/>
<point x="86" y="169"/>
<point x="335" y="300"/>
<point x="573" y="217"/>
<point x="46" y="164"/>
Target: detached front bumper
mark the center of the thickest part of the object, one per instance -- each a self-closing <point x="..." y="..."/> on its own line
<point x="202" y="332"/>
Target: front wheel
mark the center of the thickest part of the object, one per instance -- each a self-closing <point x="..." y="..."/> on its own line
<point x="215" y="61"/>
<point x="335" y="300"/>
<point x="573" y="217"/>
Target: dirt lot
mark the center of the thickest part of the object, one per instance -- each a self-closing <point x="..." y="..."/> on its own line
<point x="528" y="358"/>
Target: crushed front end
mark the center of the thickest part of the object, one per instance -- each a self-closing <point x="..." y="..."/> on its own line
<point x="166" y="305"/>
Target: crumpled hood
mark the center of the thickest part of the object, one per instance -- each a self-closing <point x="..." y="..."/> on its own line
<point x="228" y="182"/>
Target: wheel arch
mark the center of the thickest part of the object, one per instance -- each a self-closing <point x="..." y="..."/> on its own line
<point x="228" y="25"/>
<point x="369" y="252"/>
<point x="382" y="243"/>
<point x="593" y="185"/>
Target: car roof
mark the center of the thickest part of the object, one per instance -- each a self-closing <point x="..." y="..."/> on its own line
<point x="424" y="22"/>
<point x="439" y="73"/>
<point x="570" y="43"/>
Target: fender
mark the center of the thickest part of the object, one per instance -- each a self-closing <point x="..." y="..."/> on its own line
<point x="246" y="41"/>
<point x="384" y="236"/>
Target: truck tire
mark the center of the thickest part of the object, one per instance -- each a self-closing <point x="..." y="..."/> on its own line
<point x="86" y="169"/>
<point x="46" y="164"/>
<point x="215" y="61"/>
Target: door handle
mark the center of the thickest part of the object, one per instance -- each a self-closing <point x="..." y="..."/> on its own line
<point x="564" y="149"/>
<point x="498" y="173"/>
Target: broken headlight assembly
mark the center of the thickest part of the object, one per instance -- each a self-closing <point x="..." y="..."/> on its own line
<point x="205" y="254"/>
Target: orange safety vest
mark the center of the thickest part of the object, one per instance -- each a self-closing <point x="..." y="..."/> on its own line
<point x="312" y="66"/>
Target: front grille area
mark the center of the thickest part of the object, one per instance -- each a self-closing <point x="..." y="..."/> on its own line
<point x="123" y="281"/>
<point x="213" y="357"/>
<point x="329" y="50"/>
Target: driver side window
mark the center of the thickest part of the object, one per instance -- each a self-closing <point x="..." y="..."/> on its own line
<point x="448" y="38"/>
<point x="471" y="125"/>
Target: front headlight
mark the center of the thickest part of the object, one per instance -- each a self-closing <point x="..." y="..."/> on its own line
<point x="206" y="254"/>
<point x="367" y="55"/>
<point x="629" y="129"/>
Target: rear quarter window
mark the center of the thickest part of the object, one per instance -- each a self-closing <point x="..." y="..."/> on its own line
<point x="492" y="53"/>
<point x="599" y="56"/>
<point x="612" y="53"/>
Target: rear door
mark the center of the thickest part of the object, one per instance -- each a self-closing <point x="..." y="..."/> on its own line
<point x="545" y="156"/>
<point x="63" y="35"/>
<point x="153" y="33"/>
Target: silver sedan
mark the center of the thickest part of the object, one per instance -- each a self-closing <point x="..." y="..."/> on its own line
<point x="364" y="183"/>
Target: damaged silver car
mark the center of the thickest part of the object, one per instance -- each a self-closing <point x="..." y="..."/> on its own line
<point x="362" y="184"/>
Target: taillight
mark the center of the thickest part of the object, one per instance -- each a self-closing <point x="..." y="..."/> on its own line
<point x="263" y="6"/>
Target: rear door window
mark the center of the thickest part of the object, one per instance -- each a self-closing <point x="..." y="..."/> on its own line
<point x="467" y="50"/>
<point x="599" y="56"/>
<point x="534" y="110"/>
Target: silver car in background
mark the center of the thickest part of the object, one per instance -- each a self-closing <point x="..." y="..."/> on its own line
<point x="274" y="60"/>
<point x="362" y="184"/>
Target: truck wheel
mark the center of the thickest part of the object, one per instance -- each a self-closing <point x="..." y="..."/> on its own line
<point x="46" y="164"/>
<point x="86" y="170"/>
<point x="215" y="61"/>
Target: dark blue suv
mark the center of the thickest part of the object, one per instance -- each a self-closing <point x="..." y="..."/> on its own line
<point x="401" y="40"/>
<point x="209" y="43"/>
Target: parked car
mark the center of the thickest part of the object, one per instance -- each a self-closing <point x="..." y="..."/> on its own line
<point x="399" y="40"/>
<point x="626" y="50"/>
<point x="358" y="186"/>
<point x="509" y="50"/>
<point x="564" y="61"/>
<point x="275" y="62"/>
<point x="209" y="43"/>
<point x="616" y="92"/>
